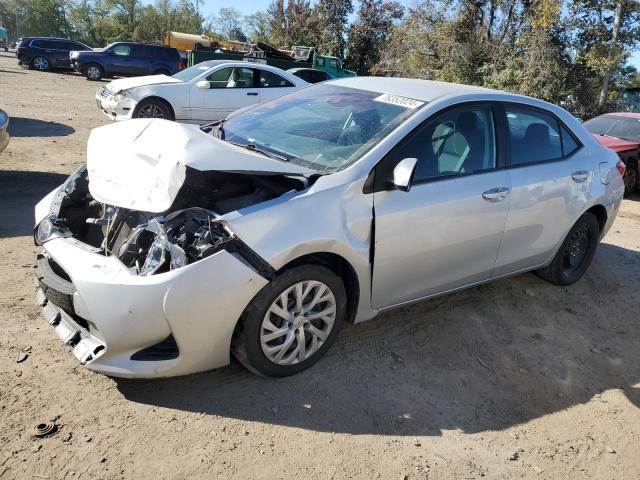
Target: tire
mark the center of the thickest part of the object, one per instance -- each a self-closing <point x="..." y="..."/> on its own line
<point x="93" y="72"/>
<point x="41" y="64"/>
<point x="630" y="178"/>
<point x="161" y="72"/>
<point x="152" y="108"/>
<point x="575" y="254"/>
<point x="258" y="320"/>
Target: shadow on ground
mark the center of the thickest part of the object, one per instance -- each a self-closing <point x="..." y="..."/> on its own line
<point x="19" y="192"/>
<point x="30" y="127"/>
<point x="485" y="359"/>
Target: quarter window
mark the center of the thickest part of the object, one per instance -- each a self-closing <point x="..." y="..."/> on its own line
<point x="534" y="135"/>
<point x="231" y="78"/>
<point x="457" y="142"/>
<point x="569" y="144"/>
<point x="270" y="80"/>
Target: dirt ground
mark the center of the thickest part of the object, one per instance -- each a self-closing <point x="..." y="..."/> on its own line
<point x="516" y="379"/>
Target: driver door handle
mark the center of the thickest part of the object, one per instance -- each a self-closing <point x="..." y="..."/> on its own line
<point x="253" y="94"/>
<point x="496" y="194"/>
<point x="580" y="176"/>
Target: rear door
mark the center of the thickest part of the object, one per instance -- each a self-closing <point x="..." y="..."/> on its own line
<point x="272" y="85"/>
<point x="230" y="89"/>
<point x="141" y="60"/>
<point x="445" y="232"/>
<point x="550" y="182"/>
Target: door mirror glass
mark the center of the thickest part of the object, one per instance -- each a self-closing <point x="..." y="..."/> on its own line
<point x="203" y="84"/>
<point x="403" y="173"/>
<point x="110" y="52"/>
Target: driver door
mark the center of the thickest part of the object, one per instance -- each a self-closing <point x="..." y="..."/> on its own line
<point x="445" y="232"/>
<point x="230" y="89"/>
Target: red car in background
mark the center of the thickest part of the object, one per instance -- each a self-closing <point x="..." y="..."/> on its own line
<point x="621" y="133"/>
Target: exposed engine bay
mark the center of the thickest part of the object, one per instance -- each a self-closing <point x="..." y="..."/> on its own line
<point x="191" y="229"/>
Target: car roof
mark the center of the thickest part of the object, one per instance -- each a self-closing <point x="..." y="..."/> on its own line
<point x="49" y="38"/>
<point x="425" y="90"/>
<point x="239" y="63"/>
<point x="621" y="114"/>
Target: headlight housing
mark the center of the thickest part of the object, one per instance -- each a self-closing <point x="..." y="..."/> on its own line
<point x="118" y="97"/>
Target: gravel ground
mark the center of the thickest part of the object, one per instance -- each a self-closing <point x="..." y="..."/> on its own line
<point x="516" y="379"/>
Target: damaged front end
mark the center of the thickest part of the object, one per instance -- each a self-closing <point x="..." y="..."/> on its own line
<point x="149" y="243"/>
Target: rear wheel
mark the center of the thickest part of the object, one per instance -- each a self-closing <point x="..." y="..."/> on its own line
<point x="291" y="322"/>
<point x="575" y="254"/>
<point x="41" y="64"/>
<point x="93" y="72"/>
<point x="152" y="108"/>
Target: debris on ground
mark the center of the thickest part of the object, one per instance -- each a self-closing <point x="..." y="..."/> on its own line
<point x="44" y="429"/>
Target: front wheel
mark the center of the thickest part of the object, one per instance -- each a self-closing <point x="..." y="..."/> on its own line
<point x="291" y="322"/>
<point x="41" y="64"/>
<point x="93" y="72"/>
<point x="575" y="254"/>
<point x="152" y="109"/>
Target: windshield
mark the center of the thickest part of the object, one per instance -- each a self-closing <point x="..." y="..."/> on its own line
<point x="190" y="73"/>
<point x="614" y="126"/>
<point x="324" y="127"/>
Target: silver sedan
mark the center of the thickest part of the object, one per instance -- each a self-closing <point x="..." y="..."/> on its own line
<point x="176" y="247"/>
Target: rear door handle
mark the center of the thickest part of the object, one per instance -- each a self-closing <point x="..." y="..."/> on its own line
<point x="580" y="176"/>
<point x="253" y="94"/>
<point x="496" y="194"/>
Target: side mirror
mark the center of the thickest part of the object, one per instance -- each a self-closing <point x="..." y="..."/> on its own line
<point x="203" y="84"/>
<point x="110" y="52"/>
<point x="403" y="173"/>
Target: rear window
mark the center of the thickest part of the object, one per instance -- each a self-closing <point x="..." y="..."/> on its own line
<point x="627" y="128"/>
<point x="535" y="136"/>
<point x="37" y="43"/>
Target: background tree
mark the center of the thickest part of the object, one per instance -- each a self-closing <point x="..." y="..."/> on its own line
<point x="258" y="26"/>
<point x="370" y="33"/>
<point x="332" y="20"/>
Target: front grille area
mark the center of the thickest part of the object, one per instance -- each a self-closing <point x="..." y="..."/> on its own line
<point x="55" y="284"/>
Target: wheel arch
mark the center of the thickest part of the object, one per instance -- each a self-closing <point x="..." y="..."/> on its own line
<point x="600" y="212"/>
<point x="160" y="99"/>
<point x="338" y="265"/>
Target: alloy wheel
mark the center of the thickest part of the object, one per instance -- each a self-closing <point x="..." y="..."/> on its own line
<point x="41" y="63"/>
<point x="298" y="322"/>
<point x="150" y="110"/>
<point x="93" y="73"/>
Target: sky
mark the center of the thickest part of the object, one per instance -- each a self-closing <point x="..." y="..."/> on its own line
<point x="247" y="7"/>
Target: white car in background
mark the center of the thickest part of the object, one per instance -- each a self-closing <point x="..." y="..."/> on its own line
<point x="205" y="92"/>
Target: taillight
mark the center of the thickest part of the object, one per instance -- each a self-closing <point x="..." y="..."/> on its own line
<point x="180" y="66"/>
<point x="621" y="167"/>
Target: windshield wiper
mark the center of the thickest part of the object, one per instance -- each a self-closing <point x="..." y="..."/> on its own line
<point x="266" y="153"/>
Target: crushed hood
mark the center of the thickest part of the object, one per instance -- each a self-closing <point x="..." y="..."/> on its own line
<point x="141" y="164"/>
<point x="126" y="83"/>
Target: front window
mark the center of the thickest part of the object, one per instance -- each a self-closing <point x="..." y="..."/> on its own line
<point x="233" y="77"/>
<point x="324" y="127"/>
<point x="121" y="50"/>
<point x="626" y="128"/>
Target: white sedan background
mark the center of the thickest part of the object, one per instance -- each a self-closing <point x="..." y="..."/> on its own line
<point x="205" y="92"/>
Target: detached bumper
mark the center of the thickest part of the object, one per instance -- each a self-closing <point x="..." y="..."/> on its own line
<point x="126" y="325"/>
